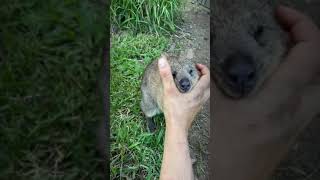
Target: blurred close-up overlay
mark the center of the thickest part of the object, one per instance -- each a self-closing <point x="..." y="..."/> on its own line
<point x="50" y="59"/>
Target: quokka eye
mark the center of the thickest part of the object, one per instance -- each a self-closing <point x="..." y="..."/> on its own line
<point x="258" y="35"/>
<point x="190" y="71"/>
<point x="258" y="32"/>
<point x="174" y="74"/>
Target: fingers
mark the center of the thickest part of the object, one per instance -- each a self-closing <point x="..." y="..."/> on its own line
<point x="302" y="61"/>
<point x="201" y="91"/>
<point x="206" y="94"/>
<point x="204" y="81"/>
<point x="300" y="26"/>
<point x="301" y="66"/>
<point x="166" y="75"/>
<point x="203" y="69"/>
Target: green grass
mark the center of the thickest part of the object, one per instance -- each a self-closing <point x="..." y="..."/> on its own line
<point x="50" y="58"/>
<point x="135" y="153"/>
<point x="146" y="16"/>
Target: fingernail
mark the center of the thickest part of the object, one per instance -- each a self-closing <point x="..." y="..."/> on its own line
<point x="162" y="62"/>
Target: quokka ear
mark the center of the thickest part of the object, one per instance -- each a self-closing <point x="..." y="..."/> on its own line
<point x="190" y="54"/>
<point x="187" y="54"/>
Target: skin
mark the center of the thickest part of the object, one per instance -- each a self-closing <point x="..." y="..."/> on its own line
<point x="252" y="140"/>
<point x="176" y="163"/>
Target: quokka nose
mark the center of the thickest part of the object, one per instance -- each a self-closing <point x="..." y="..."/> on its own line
<point x="185" y="84"/>
<point x="241" y="71"/>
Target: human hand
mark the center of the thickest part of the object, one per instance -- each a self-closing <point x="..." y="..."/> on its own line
<point x="258" y="130"/>
<point x="180" y="109"/>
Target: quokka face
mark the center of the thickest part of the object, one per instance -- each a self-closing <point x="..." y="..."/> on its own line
<point x="248" y="44"/>
<point x="185" y="75"/>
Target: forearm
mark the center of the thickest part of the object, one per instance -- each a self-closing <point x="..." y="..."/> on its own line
<point x="176" y="163"/>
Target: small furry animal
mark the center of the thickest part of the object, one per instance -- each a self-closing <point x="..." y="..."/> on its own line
<point x="185" y="75"/>
<point x="247" y="45"/>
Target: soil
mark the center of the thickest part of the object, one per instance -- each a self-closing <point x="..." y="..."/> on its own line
<point x="303" y="161"/>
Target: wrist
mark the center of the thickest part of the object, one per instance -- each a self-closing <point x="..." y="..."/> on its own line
<point x="178" y="134"/>
<point x="178" y="122"/>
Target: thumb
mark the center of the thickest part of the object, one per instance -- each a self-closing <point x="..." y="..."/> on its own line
<point x="165" y="74"/>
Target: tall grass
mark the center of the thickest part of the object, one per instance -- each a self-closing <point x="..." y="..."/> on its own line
<point x="151" y="16"/>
